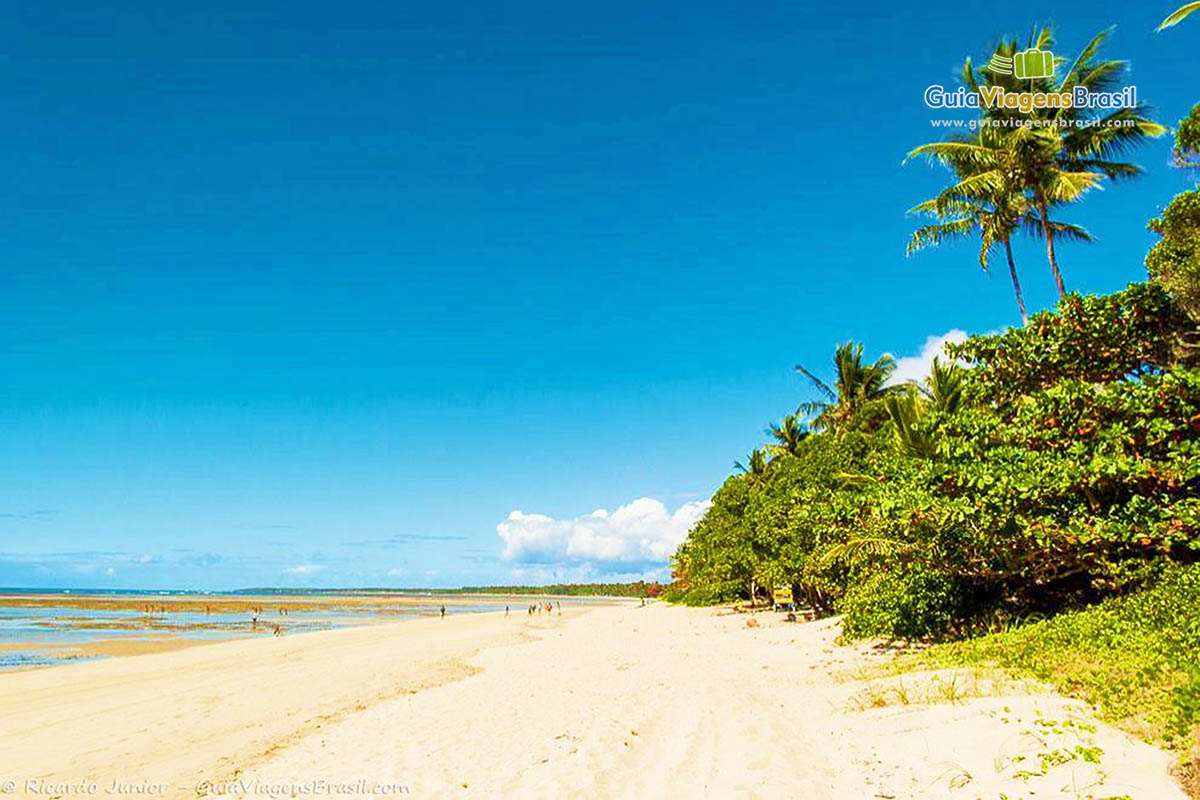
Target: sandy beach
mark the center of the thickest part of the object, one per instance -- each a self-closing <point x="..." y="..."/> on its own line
<point x="608" y="702"/>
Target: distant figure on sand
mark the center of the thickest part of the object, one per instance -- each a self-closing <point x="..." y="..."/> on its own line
<point x="443" y="612"/>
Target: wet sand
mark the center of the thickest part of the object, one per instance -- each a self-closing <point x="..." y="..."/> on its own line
<point x="79" y="626"/>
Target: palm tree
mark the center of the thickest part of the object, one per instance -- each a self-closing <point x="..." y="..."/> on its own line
<point x="1055" y="155"/>
<point x="756" y="466"/>
<point x="962" y="218"/>
<point x="788" y="435"/>
<point x="992" y="161"/>
<point x="1179" y="14"/>
<point x="906" y="409"/>
<point x="857" y="386"/>
<point x="1031" y="156"/>
<point x="1050" y="181"/>
<point x="994" y="218"/>
<point x="945" y="388"/>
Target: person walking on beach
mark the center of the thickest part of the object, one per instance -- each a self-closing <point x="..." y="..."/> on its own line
<point x="443" y="612"/>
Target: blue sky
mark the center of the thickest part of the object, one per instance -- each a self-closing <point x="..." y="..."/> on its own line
<point x="311" y="294"/>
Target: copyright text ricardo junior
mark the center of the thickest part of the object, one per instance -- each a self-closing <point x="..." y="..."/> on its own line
<point x="205" y="787"/>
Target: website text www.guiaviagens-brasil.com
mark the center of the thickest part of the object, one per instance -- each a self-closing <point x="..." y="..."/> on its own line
<point x="976" y="124"/>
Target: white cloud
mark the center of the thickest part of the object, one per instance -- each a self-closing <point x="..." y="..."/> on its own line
<point x="640" y="532"/>
<point x="304" y="569"/>
<point x="916" y="368"/>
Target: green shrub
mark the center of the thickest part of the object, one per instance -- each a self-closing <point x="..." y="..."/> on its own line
<point x="708" y="595"/>
<point x="1137" y="657"/>
<point x="908" y="602"/>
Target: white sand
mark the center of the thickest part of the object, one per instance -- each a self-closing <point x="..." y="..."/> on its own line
<point x="611" y="703"/>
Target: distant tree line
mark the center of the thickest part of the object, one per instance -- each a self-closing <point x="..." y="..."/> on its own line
<point x="635" y="589"/>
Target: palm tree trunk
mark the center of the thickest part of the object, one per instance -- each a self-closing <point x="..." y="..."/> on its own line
<point x="1012" y="270"/>
<point x="1049" y="234"/>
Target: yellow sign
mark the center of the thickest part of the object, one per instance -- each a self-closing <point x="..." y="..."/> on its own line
<point x="783" y="595"/>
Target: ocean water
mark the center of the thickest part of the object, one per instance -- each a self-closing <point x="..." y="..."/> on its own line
<point x="30" y="634"/>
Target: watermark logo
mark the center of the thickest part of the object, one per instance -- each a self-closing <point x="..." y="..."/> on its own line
<point x="1026" y="64"/>
<point x="1031" y="63"/>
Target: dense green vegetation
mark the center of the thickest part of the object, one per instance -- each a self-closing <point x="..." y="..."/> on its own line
<point x="1061" y="467"/>
<point x="1037" y="470"/>
<point x="1042" y="486"/>
<point x="1175" y="260"/>
<point x="1136" y="657"/>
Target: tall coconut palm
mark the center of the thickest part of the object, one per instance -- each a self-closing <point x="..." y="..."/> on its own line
<point x="993" y="222"/>
<point x="991" y="162"/>
<point x="1056" y="155"/>
<point x="1178" y="15"/>
<point x="857" y="386"/>
<point x="788" y="436"/>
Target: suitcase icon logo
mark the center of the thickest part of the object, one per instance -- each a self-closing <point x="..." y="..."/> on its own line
<point x="1031" y="63"/>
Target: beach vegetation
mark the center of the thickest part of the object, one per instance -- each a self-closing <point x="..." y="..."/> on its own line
<point x="1033" y="504"/>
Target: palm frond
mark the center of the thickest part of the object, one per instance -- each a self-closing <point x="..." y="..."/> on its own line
<point x="820" y="385"/>
<point x="864" y="549"/>
<point x="934" y="235"/>
<point x="1071" y="233"/>
<point x="1061" y="186"/>
<point x="1085" y="55"/>
<point x="1178" y="15"/>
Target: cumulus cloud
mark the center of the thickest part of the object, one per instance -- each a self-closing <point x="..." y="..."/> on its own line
<point x="640" y="532"/>
<point x="916" y="368"/>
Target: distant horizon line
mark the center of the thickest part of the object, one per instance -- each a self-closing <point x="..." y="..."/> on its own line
<point x="303" y="589"/>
